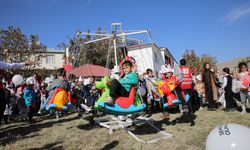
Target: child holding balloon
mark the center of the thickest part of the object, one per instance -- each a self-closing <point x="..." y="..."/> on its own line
<point x="244" y="77"/>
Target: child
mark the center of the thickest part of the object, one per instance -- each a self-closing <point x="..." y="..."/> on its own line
<point x="93" y="92"/>
<point x="244" y="77"/>
<point x="20" y="101"/>
<point x="7" y="94"/>
<point x="60" y="82"/>
<point x="30" y="98"/>
<point x="142" y="89"/>
<point x="227" y="87"/>
<point x="43" y="94"/>
<point x="200" y="90"/>
<point x="169" y="77"/>
<point x="151" y="83"/>
<point x="122" y="87"/>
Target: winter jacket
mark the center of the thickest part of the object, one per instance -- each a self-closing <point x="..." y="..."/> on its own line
<point x="29" y="96"/>
<point x="129" y="80"/>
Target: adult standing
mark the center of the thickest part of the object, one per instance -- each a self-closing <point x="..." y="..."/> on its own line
<point x="3" y="66"/>
<point x="187" y="78"/>
<point x="211" y="93"/>
<point x="187" y="85"/>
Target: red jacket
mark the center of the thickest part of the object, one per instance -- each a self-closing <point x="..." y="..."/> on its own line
<point x="187" y="78"/>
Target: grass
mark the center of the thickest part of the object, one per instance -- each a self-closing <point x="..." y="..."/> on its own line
<point x="72" y="132"/>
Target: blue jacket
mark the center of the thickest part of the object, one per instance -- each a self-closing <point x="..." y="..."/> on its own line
<point x="129" y="80"/>
<point x="29" y="96"/>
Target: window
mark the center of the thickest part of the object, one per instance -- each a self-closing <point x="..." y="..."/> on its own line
<point x="156" y="57"/>
<point x="50" y="59"/>
<point x="167" y="60"/>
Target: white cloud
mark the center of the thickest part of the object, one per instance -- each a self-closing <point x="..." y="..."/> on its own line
<point x="237" y="13"/>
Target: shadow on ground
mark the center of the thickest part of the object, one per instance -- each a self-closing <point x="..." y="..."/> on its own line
<point x="51" y="146"/>
<point x="111" y="145"/>
<point x="187" y="118"/>
<point x="11" y="135"/>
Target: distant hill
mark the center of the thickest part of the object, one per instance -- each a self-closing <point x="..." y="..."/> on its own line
<point x="232" y="64"/>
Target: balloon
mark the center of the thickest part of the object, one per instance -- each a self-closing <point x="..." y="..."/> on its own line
<point x="160" y="84"/>
<point x="166" y="89"/>
<point x="30" y="81"/>
<point x="46" y="80"/>
<point x="229" y="136"/>
<point x="17" y="79"/>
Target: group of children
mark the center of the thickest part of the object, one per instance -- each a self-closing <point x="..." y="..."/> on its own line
<point x="22" y="98"/>
<point x="236" y="85"/>
<point x="149" y="89"/>
<point x="197" y="87"/>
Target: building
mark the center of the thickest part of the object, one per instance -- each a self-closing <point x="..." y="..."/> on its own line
<point x="53" y="59"/>
<point x="150" y="56"/>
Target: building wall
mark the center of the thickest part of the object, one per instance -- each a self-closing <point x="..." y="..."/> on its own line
<point x="143" y="58"/>
<point x="147" y="57"/>
<point x="53" y="60"/>
<point x="167" y="56"/>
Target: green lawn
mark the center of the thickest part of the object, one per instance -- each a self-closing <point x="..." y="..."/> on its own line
<point x="72" y="132"/>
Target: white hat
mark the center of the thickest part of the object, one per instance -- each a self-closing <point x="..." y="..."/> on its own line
<point x="140" y="73"/>
<point x="30" y="81"/>
<point x="169" y="69"/>
<point x="80" y="79"/>
<point x="163" y="69"/>
<point x="72" y="85"/>
<point x="3" y="80"/>
<point x="198" y="77"/>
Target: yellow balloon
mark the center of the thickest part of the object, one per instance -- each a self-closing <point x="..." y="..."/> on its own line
<point x="160" y="84"/>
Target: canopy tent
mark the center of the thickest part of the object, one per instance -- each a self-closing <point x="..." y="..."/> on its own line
<point x="90" y="70"/>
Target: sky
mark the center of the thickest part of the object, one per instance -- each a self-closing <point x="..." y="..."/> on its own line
<point x="220" y="28"/>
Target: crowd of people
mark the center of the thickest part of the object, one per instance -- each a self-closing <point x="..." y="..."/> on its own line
<point x="32" y="96"/>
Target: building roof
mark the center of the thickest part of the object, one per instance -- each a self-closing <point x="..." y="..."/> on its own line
<point x="90" y="70"/>
<point x="135" y="47"/>
<point x="52" y="50"/>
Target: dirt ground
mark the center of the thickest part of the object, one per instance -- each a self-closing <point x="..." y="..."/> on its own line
<point x="73" y="132"/>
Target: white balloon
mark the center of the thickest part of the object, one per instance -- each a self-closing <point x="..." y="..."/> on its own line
<point x="17" y="79"/>
<point x="47" y="80"/>
<point x="30" y="80"/>
<point x="229" y="137"/>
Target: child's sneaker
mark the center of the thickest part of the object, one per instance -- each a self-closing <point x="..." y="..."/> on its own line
<point x="109" y="101"/>
<point x="185" y="109"/>
<point x="243" y="112"/>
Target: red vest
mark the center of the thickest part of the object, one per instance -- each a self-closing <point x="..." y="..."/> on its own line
<point x="187" y="78"/>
